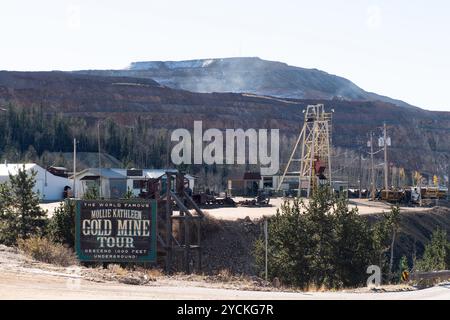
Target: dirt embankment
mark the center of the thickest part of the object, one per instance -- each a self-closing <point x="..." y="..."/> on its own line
<point x="416" y="229"/>
<point x="229" y="244"/>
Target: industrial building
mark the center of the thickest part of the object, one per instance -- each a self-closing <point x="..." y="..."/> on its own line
<point x="114" y="183"/>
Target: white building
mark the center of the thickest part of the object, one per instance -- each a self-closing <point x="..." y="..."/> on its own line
<point x="49" y="186"/>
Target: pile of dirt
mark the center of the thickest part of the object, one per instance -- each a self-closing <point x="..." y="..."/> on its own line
<point x="228" y="245"/>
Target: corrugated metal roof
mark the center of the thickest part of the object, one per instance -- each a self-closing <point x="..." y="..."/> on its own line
<point x="156" y="173"/>
<point x="104" y="172"/>
<point x="13" y="168"/>
<point x="118" y="173"/>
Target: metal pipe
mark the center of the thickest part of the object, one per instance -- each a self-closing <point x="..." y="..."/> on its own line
<point x="386" y="168"/>
<point x="74" y="166"/>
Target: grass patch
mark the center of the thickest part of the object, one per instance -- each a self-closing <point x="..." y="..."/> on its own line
<point x="44" y="250"/>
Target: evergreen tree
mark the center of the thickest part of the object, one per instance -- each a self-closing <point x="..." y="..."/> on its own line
<point x="321" y="243"/>
<point x="92" y="193"/>
<point x="435" y="256"/>
<point x="20" y="213"/>
<point x="61" y="227"/>
<point x="393" y="220"/>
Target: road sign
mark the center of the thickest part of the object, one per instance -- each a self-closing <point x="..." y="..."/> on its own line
<point x="116" y="230"/>
<point x="405" y="276"/>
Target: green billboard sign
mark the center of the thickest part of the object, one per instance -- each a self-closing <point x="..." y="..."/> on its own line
<point x="116" y="230"/>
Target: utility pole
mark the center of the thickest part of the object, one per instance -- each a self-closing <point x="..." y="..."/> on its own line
<point x="74" y="166"/>
<point x="386" y="167"/>
<point x="372" y="168"/>
<point x="360" y="174"/>
<point x="448" y="182"/>
<point x="420" y="192"/>
<point x="99" y="160"/>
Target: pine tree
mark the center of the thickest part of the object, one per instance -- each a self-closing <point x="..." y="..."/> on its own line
<point x="435" y="256"/>
<point x="393" y="220"/>
<point x="61" y="227"/>
<point x="321" y="243"/>
<point x="20" y="213"/>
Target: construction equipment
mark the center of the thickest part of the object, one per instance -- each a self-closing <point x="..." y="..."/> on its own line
<point x="262" y="200"/>
<point x="426" y="195"/>
<point x="315" y="158"/>
<point x="393" y="196"/>
<point x="434" y="193"/>
<point x="208" y="200"/>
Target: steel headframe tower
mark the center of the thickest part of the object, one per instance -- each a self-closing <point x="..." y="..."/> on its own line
<point x="315" y="158"/>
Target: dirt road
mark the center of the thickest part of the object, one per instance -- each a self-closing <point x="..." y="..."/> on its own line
<point x="24" y="278"/>
<point x="45" y="286"/>
<point x="364" y="207"/>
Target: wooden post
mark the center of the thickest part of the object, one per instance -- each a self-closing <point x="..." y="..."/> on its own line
<point x="74" y="167"/>
<point x="168" y="224"/>
<point x="187" y="222"/>
<point x="187" y="243"/>
<point x="448" y="182"/>
<point x="199" y="249"/>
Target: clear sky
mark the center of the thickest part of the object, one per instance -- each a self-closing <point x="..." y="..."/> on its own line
<point x="397" y="48"/>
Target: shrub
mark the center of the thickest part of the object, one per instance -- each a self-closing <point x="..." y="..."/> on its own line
<point x="92" y="193"/>
<point x="44" y="250"/>
<point x="129" y="194"/>
<point x="61" y="228"/>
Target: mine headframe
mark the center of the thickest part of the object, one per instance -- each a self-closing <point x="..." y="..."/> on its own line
<point x="310" y="160"/>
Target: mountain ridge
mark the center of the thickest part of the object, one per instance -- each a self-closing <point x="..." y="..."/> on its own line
<point x="248" y="75"/>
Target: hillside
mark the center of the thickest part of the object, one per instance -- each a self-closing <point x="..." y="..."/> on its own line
<point x="421" y="139"/>
<point x="250" y="75"/>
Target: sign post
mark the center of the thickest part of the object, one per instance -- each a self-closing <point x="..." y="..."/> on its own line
<point x="266" y="236"/>
<point x="116" y="230"/>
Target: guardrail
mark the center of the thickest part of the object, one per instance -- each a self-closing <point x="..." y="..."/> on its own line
<point x="442" y="275"/>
